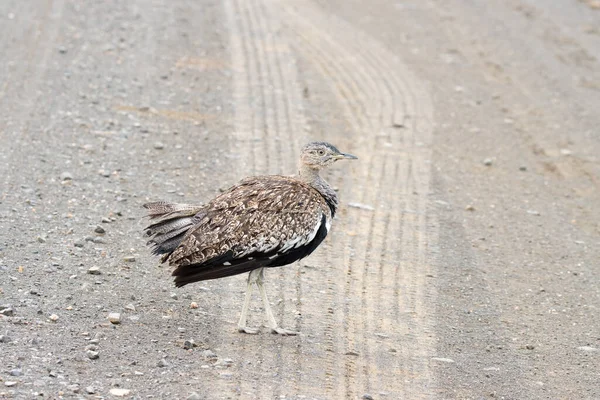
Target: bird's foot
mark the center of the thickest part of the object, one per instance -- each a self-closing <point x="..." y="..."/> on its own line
<point x="249" y="331"/>
<point x="284" y="332"/>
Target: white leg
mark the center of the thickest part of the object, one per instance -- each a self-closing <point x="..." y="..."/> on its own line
<point x="252" y="278"/>
<point x="272" y="323"/>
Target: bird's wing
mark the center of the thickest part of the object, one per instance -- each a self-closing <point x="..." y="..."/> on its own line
<point x="254" y="224"/>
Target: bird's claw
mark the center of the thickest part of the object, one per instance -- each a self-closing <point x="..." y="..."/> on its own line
<point x="249" y="331"/>
<point x="283" y="332"/>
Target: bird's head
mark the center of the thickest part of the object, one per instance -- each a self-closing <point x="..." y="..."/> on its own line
<point x="317" y="155"/>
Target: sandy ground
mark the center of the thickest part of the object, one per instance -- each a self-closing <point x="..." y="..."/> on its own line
<point x="464" y="260"/>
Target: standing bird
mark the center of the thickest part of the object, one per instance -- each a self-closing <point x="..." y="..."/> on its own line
<point x="264" y="221"/>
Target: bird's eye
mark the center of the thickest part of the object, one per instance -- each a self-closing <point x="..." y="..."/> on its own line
<point x="321" y="152"/>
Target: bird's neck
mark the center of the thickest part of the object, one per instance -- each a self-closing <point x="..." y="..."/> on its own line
<point x="309" y="175"/>
<point x="312" y="177"/>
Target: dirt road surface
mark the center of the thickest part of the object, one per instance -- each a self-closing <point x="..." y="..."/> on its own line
<point x="464" y="260"/>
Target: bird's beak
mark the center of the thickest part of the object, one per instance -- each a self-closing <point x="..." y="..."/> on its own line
<point x="346" y="156"/>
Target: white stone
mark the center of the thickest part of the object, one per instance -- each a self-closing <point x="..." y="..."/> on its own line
<point x="119" y="392"/>
<point x="114" y="318"/>
<point x="441" y="359"/>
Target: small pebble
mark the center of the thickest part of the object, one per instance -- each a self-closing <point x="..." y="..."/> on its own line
<point x="162" y="363"/>
<point x="441" y="359"/>
<point x="7" y="310"/>
<point x="193" y="304"/>
<point x="114" y="318"/>
<point x="16" y="372"/>
<point x="226" y="362"/>
<point x="41" y="239"/>
<point x="99" y="230"/>
<point x="522" y="168"/>
<point x="10" y="383"/>
<point x="174" y="296"/>
<point x="74" y="388"/>
<point x="189" y="344"/>
<point x="159" y="146"/>
<point x="94" y="271"/>
<point x="367" y="396"/>
<point x="209" y="354"/>
<point x="5" y="339"/>
<point x="487" y="162"/>
<point x="66" y="176"/>
<point x="106" y="220"/>
<point x="566" y="152"/>
<point x="470" y="208"/>
<point x="361" y="206"/>
<point x="119" y="392"/>
<point x="53" y="318"/>
<point x="79" y="243"/>
<point x="130" y="307"/>
<point x="92" y="355"/>
<point x="129" y="259"/>
<point x="90" y="390"/>
<point x="194" y="396"/>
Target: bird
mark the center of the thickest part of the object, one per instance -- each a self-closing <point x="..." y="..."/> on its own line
<point x="261" y="222"/>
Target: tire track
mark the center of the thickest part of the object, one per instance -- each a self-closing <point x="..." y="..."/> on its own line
<point x="415" y="212"/>
<point x="249" y="125"/>
<point x="350" y="329"/>
<point x="285" y="135"/>
<point x="271" y="92"/>
<point x="268" y="121"/>
<point x="354" y="329"/>
<point x="334" y="47"/>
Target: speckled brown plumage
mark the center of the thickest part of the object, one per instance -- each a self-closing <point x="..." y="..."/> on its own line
<point x="255" y="223"/>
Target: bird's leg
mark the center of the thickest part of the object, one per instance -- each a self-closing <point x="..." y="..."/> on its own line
<point x="252" y="278"/>
<point x="272" y="323"/>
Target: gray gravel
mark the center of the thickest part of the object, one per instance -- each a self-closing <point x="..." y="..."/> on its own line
<point x="107" y="105"/>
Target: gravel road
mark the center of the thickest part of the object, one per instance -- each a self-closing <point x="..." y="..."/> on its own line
<point x="464" y="260"/>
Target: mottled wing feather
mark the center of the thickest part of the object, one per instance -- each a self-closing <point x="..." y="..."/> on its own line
<point x="260" y="217"/>
<point x="163" y="209"/>
<point x="171" y="223"/>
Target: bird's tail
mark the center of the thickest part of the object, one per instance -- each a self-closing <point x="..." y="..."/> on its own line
<point x="172" y="223"/>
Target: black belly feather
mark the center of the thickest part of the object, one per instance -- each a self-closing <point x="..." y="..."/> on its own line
<point x="299" y="253"/>
<point x="215" y="268"/>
